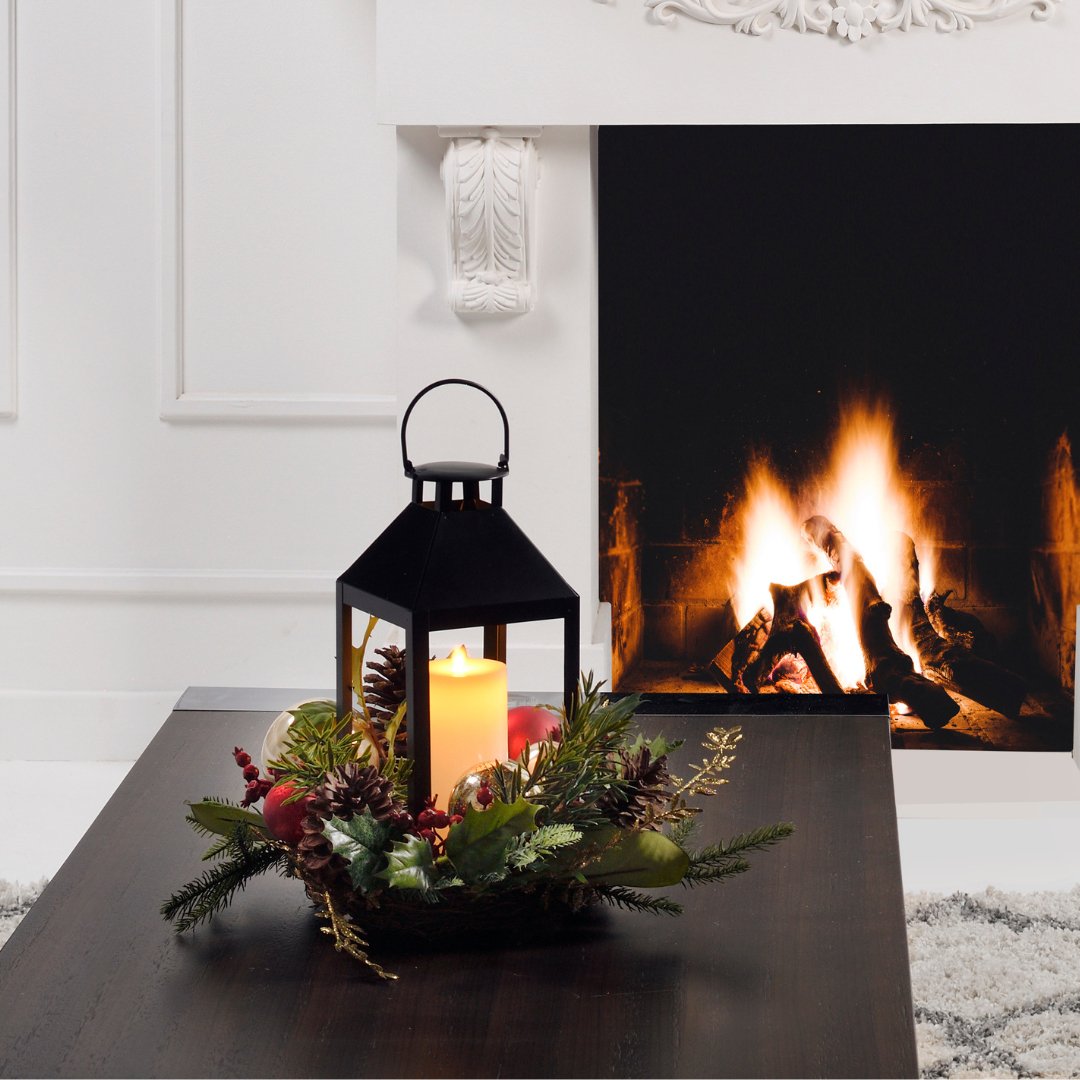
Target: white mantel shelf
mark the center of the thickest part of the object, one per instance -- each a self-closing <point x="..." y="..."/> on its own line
<point x="575" y="62"/>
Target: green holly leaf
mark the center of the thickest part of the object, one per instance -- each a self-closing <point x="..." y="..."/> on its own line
<point x="643" y="859"/>
<point x="410" y="865"/>
<point x="220" y="817"/>
<point x="658" y="746"/>
<point x="477" y="845"/>
<point x="362" y="842"/>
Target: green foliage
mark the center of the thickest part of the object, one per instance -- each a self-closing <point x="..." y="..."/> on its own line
<point x="718" y="861"/>
<point x="362" y="841"/>
<point x="682" y="831"/>
<point x="610" y="856"/>
<point x="658" y="746"/>
<point x="568" y="776"/>
<point x="317" y="743"/>
<point x="618" y="896"/>
<point x="477" y="845"/>
<point x="220" y="817"/>
<point x="410" y="865"/>
<point x="213" y="891"/>
<point x="532" y="848"/>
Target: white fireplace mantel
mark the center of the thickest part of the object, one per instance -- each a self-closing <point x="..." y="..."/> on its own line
<point x="575" y="62"/>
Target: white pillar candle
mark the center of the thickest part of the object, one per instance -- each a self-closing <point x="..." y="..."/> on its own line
<point x="468" y="717"/>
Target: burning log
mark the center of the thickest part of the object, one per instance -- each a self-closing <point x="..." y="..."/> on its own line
<point x="959" y="627"/>
<point x="792" y="632"/>
<point x="889" y="670"/>
<point x="729" y="664"/>
<point x="951" y="661"/>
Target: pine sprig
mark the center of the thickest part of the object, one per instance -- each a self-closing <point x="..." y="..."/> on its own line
<point x="213" y="891"/>
<point x="569" y="775"/>
<point x="530" y="848"/>
<point x="318" y="742"/>
<point x="630" y="900"/>
<point x="718" y="861"/>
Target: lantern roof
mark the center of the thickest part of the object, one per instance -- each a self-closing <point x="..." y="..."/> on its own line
<point x="456" y="567"/>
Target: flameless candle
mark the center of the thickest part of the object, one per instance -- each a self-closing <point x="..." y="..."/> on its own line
<point x="468" y="717"/>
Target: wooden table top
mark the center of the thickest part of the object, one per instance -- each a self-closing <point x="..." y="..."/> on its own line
<point x="798" y="968"/>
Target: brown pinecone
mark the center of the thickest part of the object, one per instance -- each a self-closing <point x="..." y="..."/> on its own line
<point x="352" y="789"/>
<point x="647" y="779"/>
<point x="384" y="689"/>
<point x="320" y="864"/>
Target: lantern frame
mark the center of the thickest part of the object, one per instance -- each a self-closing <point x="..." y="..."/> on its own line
<point x="446" y="564"/>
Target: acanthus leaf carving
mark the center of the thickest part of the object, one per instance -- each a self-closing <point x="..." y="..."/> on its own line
<point x="490" y="180"/>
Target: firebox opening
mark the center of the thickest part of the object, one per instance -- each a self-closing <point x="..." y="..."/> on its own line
<point x="837" y="401"/>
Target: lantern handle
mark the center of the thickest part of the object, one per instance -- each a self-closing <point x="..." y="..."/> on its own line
<point x="504" y="457"/>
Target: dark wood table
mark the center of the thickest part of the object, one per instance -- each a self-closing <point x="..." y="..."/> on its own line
<point x="799" y="968"/>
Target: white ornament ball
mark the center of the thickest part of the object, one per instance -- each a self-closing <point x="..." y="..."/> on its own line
<point x="276" y="739"/>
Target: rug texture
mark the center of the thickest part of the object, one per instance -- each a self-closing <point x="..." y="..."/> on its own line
<point x="15" y="902"/>
<point x="996" y="981"/>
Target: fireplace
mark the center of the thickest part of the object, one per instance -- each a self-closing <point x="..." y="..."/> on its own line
<point x="839" y="398"/>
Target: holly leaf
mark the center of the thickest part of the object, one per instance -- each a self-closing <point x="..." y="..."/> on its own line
<point x="642" y="859"/>
<point x="222" y="818"/>
<point x="361" y="841"/>
<point x="658" y="746"/>
<point x="477" y="845"/>
<point x="410" y="865"/>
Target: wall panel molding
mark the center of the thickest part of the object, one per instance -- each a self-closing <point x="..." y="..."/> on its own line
<point x="178" y="401"/>
<point x="8" y="340"/>
<point x="209" y="584"/>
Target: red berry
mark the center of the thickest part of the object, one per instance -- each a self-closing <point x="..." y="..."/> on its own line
<point x="251" y="772"/>
<point x="484" y="796"/>
<point x="241" y="757"/>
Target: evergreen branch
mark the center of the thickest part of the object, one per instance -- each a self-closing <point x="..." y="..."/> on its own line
<point x="201" y="899"/>
<point x="706" y="873"/>
<point x="758" y="840"/>
<point x="631" y="900"/>
<point x="569" y="775"/>
<point x="683" y="829"/>
<point x="532" y="847"/>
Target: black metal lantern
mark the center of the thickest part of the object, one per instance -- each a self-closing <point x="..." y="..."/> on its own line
<point x="455" y="561"/>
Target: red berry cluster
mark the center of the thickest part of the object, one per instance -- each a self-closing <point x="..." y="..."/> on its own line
<point x="431" y="819"/>
<point x="255" y="788"/>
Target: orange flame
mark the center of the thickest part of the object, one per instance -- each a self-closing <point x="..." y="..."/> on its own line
<point x="864" y="495"/>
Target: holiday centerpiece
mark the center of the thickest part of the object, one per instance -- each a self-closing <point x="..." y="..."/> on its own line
<point x="416" y="805"/>
<point x="591" y="814"/>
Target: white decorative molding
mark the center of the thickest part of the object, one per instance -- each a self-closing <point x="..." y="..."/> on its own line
<point x="490" y="176"/>
<point x="852" y="19"/>
<point x="209" y="584"/>
<point x="8" y="345"/>
<point x="177" y="401"/>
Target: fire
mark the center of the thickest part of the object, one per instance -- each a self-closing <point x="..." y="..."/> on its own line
<point x="772" y="545"/>
<point x="864" y="494"/>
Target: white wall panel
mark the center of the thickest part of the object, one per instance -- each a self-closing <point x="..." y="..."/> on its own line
<point x="278" y="223"/>
<point x="8" y="382"/>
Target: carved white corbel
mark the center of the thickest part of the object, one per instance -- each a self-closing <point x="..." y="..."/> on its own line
<point x="490" y="178"/>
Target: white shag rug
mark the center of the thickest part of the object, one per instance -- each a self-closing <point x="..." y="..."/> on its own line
<point x="15" y="901"/>
<point x="996" y="981"/>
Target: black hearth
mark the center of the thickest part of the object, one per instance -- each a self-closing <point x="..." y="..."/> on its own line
<point x="879" y="323"/>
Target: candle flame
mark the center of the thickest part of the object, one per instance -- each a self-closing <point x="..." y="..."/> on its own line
<point x="458" y="658"/>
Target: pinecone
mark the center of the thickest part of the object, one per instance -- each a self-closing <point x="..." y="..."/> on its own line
<point x="352" y="789"/>
<point x="647" y="780"/>
<point x="319" y="863"/>
<point x="384" y="689"/>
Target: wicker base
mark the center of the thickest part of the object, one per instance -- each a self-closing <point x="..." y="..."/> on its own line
<point x="511" y="918"/>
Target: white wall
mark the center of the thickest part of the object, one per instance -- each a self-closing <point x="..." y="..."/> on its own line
<point x="238" y="270"/>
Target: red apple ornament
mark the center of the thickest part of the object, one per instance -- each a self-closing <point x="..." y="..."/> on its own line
<point x="283" y="820"/>
<point x="528" y="723"/>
